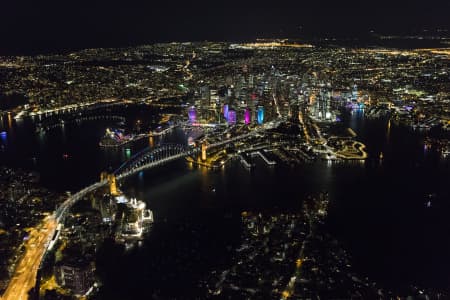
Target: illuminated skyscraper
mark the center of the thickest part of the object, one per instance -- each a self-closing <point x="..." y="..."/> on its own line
<point x="192" y="113"/>
<point x="247" y="116"/>
<point x="322" y="105"/>
<point x="205" y="96"/>
<point x="231" y="117"/>
<point x="355" y="93"/>
<point x="260" y="115"/>
<point x="213" y="96"/>
<point x="225" y="111"/>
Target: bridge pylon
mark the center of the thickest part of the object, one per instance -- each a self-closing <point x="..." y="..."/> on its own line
<point x="111" y="178"/>
<point x="203" y="147"/>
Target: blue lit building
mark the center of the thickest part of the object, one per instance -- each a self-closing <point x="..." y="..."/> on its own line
<point x="225" y="111"/>
<point x="260" y="115"/>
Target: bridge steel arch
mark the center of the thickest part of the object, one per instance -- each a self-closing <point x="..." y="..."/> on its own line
<point x="150" y="157"/>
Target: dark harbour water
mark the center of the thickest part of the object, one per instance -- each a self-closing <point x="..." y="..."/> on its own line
<point x="378" y="208"/>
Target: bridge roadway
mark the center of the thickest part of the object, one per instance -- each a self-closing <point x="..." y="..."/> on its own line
<point x="24" y="277"/>
<point x="61" y="211"/>
<point x="156" y="163"/>
<point x="148" y="156"/>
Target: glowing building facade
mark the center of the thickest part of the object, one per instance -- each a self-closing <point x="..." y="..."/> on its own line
<point x="225" y="111"/>
<point x="260" y="115"/>
<point x="247" y="116"/>
<point x="231" y="117"/>
<point x="192" y="113"/>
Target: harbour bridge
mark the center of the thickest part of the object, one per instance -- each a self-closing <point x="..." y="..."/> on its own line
<point x="146" y="159"/>
<point x="152" y="157"/>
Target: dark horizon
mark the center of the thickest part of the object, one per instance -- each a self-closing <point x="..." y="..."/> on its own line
<point x="26" y="27"/>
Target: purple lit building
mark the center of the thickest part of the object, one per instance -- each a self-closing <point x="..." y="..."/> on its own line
<point x="192" y="113"/>
<point x="247" y="116"/>
<point x="231" y="117"/>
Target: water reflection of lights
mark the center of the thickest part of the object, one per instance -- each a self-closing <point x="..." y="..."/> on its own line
<point x="4" y="137"/>
<point x="388" y="132"/>
<point x="203" y="170"/>
<point x="9" y="120"/>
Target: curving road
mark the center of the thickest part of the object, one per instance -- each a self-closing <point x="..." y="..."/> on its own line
<point x="24" y="277"/>
<point x="40" y="237"/>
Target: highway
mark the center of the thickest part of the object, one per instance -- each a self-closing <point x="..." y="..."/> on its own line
<point x="24" y="277"/>
<point x="36" y="246"/>
<point x="40" y="237"/>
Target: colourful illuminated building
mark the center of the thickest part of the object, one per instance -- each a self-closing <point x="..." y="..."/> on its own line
<point x="247" y="116"/>
<point x="231" y="117"/>
<point x="192" y="113"/>
<point x="225" y="111"/>
<point x="260" y="115"/>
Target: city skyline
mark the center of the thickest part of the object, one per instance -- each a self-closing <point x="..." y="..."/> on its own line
<point x="233" y="150"/>
<point x="29" y="28"/>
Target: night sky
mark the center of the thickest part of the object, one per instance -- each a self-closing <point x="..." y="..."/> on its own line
<point x="31" y="25"/>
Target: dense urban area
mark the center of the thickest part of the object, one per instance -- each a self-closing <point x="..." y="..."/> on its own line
<point x="277" y="101"/>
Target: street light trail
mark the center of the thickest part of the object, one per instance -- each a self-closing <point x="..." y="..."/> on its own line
<point x="24" y="277"/>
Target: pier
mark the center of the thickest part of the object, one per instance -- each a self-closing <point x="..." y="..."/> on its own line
<point x="260" y="154"/>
